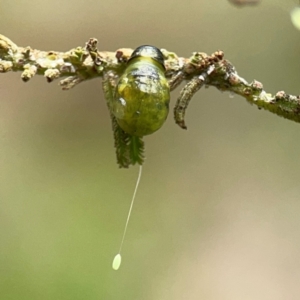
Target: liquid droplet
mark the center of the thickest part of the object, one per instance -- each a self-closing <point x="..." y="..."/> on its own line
<point x="117" y="262"/>
<point x="295" y="17"/>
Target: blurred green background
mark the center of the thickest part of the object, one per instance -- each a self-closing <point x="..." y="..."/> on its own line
<point x="217" y="212"/>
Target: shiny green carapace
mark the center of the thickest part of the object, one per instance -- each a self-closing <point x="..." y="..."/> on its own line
<point x="142" y="96"/>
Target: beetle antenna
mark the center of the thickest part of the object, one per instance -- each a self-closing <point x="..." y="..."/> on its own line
<point x="117" y="260"/>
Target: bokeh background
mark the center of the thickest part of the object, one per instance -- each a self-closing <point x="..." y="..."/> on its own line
<point x="217" y="214"/>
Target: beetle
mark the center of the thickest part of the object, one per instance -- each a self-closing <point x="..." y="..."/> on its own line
<point x="138" y="98"/>
<point x="142" y="95"/>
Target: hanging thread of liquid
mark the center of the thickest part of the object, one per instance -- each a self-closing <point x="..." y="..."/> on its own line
<point x="117" y="259"/>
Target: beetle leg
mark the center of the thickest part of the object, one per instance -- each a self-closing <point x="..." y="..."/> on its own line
<point x="175" y="80"/>
<point x="109" y="84"/>
<point x="121" y="138"/>
<point x="186" y="95"/>
<point x="129" y="149"/>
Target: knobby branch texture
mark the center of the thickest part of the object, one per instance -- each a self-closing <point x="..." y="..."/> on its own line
<point x="84" y="63"/>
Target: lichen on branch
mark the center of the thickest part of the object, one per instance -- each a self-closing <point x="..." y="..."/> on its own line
<point x="83" y="63"/>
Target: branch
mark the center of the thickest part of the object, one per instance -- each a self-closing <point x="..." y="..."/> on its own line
<point x="84" y="63"/>
<point x="242" y="3"/>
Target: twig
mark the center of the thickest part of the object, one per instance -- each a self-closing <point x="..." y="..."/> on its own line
<point x="84" y="63"/>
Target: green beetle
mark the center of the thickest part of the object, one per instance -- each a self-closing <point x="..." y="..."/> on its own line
<point x="142" y="95"/>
